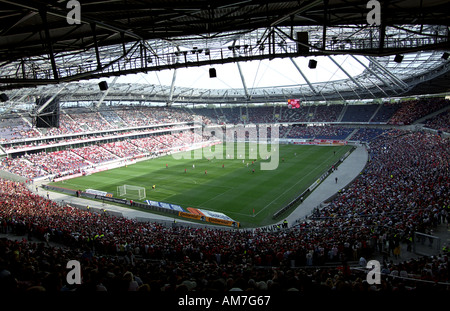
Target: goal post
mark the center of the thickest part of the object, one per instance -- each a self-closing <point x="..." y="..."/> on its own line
<point x="426" y="244"/>
<point x="131" y="191"/>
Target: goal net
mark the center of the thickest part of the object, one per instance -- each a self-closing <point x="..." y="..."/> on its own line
<point x="425" y="244"/>
<point x="133" y="192"/>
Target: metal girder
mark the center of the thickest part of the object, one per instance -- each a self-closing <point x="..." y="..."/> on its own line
<point x="240" y="72"/>
<point x="344" y="71"/>
<point x="304" y="7"/>
<point x="49" y="44"/>
<point x="146" y="56"/>
<point x="35" y="6"/>
<point x="303" y="75"/>
<point x="351" y="77"/>
<point x="97" y="54"/>
<point x="41" y="108"/>
<point x="396" y="80"/>
<point x="23" y="18"/>
<point x="172" y="86"/>
<point x="375" y="75"/>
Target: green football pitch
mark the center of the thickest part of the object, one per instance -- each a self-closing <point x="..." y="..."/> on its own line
<point x="229" y="186"/>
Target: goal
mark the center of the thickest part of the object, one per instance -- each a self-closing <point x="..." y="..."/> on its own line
<point x="131" y="191"/>
<point x="425" y="244"/>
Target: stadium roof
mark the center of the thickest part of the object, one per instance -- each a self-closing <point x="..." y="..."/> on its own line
<point x="38" y="47"/>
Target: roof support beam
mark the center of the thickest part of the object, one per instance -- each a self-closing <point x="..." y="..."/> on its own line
<point x="22" y="19"/>
<point x="243" y="80"/>
<point x="303" y="75"/>
<point x="62" y="13"/>
<point x="240" y="73"/>
<point x="382" y="27"/>
<point x="350" y="76"/>
<point x="301" y="72"/>
<point x="344" y="71"/>
<point x="97" y="54"/>
<point x="324" y="30"/>
<point x="49" y="44"/>
<point x="303" y="8"/>
<point x="396" y="80"/>
<point x="172" y="86"/>
<point x="343" y="99"/>
<point x="174" y="77"/>
<point x="374" y="73"/>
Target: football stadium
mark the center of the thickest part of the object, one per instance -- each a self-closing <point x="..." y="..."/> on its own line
<point x="208" y="147"/>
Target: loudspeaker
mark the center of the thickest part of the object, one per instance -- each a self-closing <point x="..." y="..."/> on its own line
<point x="302" y="37"/>
<point x="212" y="73"/>
<point x="4" y="97"/>
<point x="49" y="116"/>
<point x="398" y="58"/>
<point x="103" y="86"/>
<point x="312" y="63"/>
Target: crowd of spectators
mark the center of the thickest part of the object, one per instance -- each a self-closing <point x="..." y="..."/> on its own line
<point x="123" y="149"/>
<point x="315" y="132"/>
<point x="359" y="113"/>
<point x="386" y="111"/>
<point x="412" y="110"/>
<point x="326" y="113"/>
<point x="81" y="120"/>
<point x="21" y="167"/>
<point x="404" y="188"/>
<point x="367" y="134"/>
<point x="16" y="128"/>
<point x="133" y="117"/>
<point x="89" y="121"/>
<point x="38" y="143"/>
<point x="260" y="114"/>
<point x="73" y="160"/>
<point x="441" y="122"/>
<point x="94" y="154"/>
<point x="57" y="162"/>
<point x="67" y="126"/>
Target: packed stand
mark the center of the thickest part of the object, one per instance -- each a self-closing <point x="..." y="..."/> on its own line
<point x="67" y="126"/>
<point x="413" y="110"/>
<point x="113" y="118"/>
<point x="90" y="121"/>
<point x="160" y="115"/>
<point x="293" y="115"/>
<point x="78" y="120"/>
<point x="15" y="127"/>
<point x="386" y="111"/>
<point x="359" y="113"/>
<point x="441" y="122"/>
<point x="95" y="154"/>
<point x="403" y="189"/>
<point x="57" y="162"/>
<point x="123" y="149"/>
<point x="367" y="134"/>
<point x="260" y="114"/>
<point x="317" y="132"/>
<point x="325" y="113"/>
<point x="22" y="167"/>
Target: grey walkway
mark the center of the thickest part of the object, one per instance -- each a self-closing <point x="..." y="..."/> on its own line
<point x="345" y="174"/>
